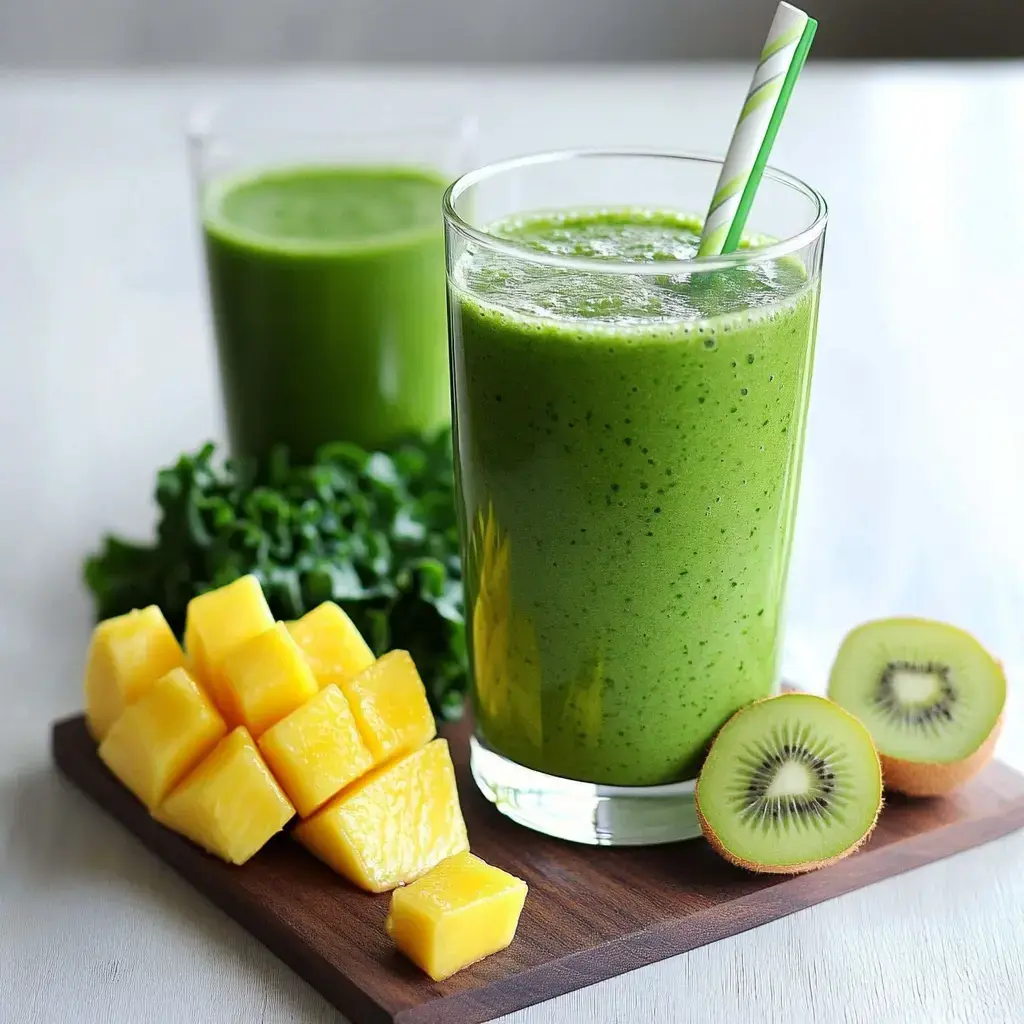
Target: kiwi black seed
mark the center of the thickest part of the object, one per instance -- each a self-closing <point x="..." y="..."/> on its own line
<point x="791" y="783"/>
<point x="930" y="695"/>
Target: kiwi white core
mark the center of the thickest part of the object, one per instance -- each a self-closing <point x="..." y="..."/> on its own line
<point x="927" y="692"/>
<point x="791" y="779"/>
<point x="915" y="688"/>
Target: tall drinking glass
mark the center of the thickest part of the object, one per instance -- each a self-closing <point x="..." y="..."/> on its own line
<point x="629" y="428"/>
<point x="325" y="259"/>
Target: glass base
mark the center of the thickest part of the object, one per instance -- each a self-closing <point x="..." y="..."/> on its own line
<point x="584" y="812"/>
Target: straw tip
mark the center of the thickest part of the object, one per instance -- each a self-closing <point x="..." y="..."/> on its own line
<point x="796" y="12"/>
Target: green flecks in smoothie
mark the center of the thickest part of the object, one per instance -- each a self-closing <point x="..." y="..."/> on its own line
<point x="640" y="454"/>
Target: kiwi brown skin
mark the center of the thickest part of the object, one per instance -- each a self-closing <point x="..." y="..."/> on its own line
<point x="921" y="778"/>
<point x="779" y="869"/>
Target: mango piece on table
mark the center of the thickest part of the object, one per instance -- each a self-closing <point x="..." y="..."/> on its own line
<point x="331" y="643"/>
<point x="456" y="914"/>
<point x="160" y="738"/>
<point x="267" y="678"/>
<point x="390" y="705"/>
<point x="126" y="656"/>
<point x="231" y="804"/>
<point x="316" y="750"/>
<point x="394" y="824"/>
<point x="215" y="624"/>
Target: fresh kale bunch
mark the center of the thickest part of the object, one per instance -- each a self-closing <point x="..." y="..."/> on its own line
<point x="374" y="531"/>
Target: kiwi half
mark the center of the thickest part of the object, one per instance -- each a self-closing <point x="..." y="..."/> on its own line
<point x="791" y="783"/>
<point x="930" y="695"/>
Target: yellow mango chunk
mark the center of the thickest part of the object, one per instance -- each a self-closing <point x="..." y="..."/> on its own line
<point x="160" y="738"/>
<point x="267" y="678"/>
<point x="316" y="750"/>
<point x="390" y="706"/>
<point x="126" y="656"/>
<point x="333" y="646"/>
<point x="215" y="624"/>
<point x="231" y="805"/>
<point x="394" y="824"/>
<point x="456" y="914"/>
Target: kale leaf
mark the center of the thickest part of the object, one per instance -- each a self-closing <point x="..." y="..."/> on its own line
<point x="374" y="531"/>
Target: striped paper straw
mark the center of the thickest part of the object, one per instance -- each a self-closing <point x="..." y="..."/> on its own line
<point x="782" y="57"/>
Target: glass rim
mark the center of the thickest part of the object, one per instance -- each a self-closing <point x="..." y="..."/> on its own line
<point x="698" y="264"/>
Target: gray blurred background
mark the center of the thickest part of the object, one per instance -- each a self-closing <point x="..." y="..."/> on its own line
<point x="131" y="33"/>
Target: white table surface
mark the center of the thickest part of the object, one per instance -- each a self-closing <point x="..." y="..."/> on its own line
<point x="912" y="500"/>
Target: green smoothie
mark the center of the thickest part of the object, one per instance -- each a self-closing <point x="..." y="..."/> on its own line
<point x="327" y="288"/>
<point x="629" y="455"/>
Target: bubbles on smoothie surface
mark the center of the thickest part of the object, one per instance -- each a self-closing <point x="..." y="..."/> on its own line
<point x="625" y="236"/>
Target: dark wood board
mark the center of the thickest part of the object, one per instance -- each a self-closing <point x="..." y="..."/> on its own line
<point x="592" y="913"/>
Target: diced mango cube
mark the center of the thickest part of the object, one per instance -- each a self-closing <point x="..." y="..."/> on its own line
<point x="394" y="824"/>
<point x="268" y="678"/>
<point x="215" y="624"/>
<point x="231" y="805"/>
<point x="456" y="914"/>
<point x="390" y="706"/>
<point x="316" y="750"/>
<point x="126" y="656"/>
<point x="330" y="641"/>
<point x="160" y="738"/>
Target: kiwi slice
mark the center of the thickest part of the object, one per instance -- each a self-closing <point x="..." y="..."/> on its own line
<point x="930" y="695"/>
<point x="791" y="783"/>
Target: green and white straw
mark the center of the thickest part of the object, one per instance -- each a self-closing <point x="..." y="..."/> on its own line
<point x="782" y="57"/>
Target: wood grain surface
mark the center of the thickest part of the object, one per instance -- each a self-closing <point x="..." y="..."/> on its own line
<point x="591" y="914"/>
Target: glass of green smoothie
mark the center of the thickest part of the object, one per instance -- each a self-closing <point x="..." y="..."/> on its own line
<point x="325" y="260"/>
<point x="629" y="426"/>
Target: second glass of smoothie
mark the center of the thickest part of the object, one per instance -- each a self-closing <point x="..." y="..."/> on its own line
<point x="629" y="428"/>
<point x="325" y="259"/>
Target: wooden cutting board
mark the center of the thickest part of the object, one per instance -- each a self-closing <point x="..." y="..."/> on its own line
<point x="592" y="913"/>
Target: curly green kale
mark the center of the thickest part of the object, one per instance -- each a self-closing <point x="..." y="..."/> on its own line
<point x="374" y="531"/>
